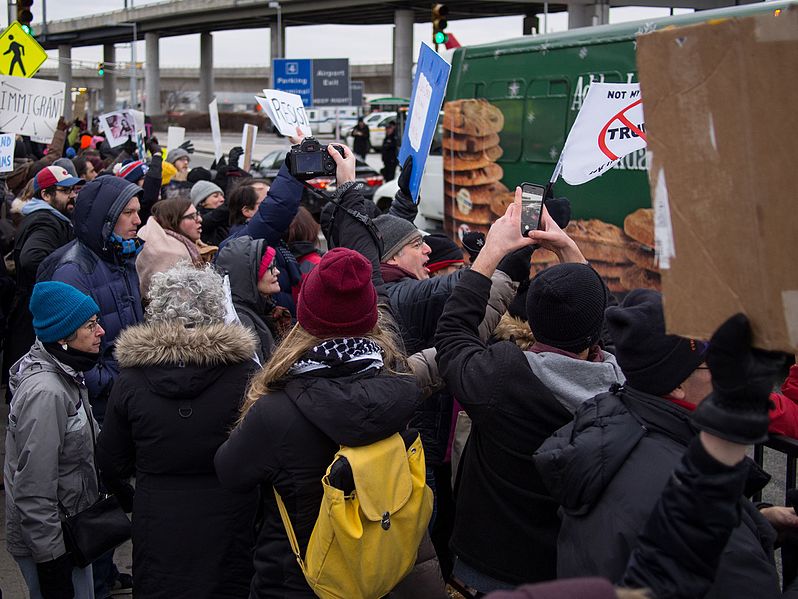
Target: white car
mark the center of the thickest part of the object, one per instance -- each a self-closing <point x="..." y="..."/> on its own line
<point x="430" y="209"/>
<point x="376" y="122"/>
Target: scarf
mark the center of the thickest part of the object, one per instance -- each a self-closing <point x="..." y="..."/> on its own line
<point x="391" y="273"/>
<point x="125" y="247"/>
<point x="35" y="204"/>
<point x="346" y="355"/>
<point x="79" y="361"/>
<point x="191" y="247"/>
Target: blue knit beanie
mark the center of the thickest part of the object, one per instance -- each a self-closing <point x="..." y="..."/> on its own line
<point x="59" y="310"/>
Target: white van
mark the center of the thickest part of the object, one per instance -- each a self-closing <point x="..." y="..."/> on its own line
<point x="322" y="120"/>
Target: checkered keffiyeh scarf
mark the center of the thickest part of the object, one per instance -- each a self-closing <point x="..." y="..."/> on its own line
<point x="356" y="353"/>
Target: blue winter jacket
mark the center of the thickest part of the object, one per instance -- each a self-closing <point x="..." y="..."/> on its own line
<point x="90" y="264"/>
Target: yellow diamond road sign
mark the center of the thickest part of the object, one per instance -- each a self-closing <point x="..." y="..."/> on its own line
<point x="20" y="54"/>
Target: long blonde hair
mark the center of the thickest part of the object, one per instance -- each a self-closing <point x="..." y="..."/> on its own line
<point x="298" y="341"/>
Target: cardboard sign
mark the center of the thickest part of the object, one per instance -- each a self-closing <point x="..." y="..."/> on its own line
<point x="174" y="137"/>
<point x="609" y="126"/>
<point x="286" y="111"/>
<point x="31" y="107"/>
<point x="429" y="87"/>
<point x="216" y="130"/>
<point x="248" y="136"/>
<point x="6" y="152"/>
<point x="726" y="176"/>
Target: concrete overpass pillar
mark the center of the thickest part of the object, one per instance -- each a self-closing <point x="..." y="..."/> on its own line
<point x="588" y="15"/>
<point x="277" y="45"/>
<point x="152" y="81"/>
<point x="403" y="53"/>
<point x="109" y="79"/>
<point x="206" y="70"/>
<point x="65" y="75"/>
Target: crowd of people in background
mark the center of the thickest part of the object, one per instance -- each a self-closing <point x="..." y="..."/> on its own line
<point x="194" y="342"/>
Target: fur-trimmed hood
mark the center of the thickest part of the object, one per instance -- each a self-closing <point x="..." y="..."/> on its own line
<point x="169" y="343"/>
<point x="514" y="329"/>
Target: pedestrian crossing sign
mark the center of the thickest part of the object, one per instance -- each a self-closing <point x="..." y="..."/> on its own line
<point x="20" y="54"/>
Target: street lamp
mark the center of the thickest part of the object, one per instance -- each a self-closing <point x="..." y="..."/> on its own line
<point x="279" y="28"/>
<point x="133" y="62"/>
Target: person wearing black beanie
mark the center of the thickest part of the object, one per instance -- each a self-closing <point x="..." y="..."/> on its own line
<point x="608" y="468"/>
<point x="516" y="399"/>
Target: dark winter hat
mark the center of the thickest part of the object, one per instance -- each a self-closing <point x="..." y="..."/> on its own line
<point x="652" y="361"/>
<point x="337" y="298"/>
<point x="201" y="190"/>
<point x="473" y="242"/>
<point x="396" y="233"/>
<point x="565" y="304"/>
<point x="59" y="310"/>
<point x="444" y="252"/>
<point x="199" y="173"/>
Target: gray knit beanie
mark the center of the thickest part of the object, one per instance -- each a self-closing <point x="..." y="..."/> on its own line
<point x="396" y="233"/>
<point x="176" y="154"/>
<point x="201" y="190"/>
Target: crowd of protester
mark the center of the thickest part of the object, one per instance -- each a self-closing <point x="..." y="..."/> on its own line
<point x="195" y="343"/>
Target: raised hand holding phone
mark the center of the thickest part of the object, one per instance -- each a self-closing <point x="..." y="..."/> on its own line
<point x="531" y="206"/>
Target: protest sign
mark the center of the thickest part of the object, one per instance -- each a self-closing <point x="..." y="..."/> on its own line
<point x="31" y="107"/>
<point x="609" y="126"/>
<point x="6" y="152"/>
<point x="216" y="130"/>
<point x="174" y="137"/>
<point x="286" y="111"/>
<point x="723" y="178"/>
<point x="248" y="136"/>
<point x="117" y="126"/>
<point x="429" y="87"/>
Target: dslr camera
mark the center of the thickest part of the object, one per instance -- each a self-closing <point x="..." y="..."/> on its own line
<point x="310" y="159"/>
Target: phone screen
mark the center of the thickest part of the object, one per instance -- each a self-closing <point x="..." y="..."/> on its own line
<point x="531" y="206"/>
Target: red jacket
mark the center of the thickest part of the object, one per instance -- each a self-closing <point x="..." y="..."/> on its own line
<point x="784" y="414"/>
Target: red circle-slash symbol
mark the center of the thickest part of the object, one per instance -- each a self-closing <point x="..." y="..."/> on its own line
<point x="621" y="116"/>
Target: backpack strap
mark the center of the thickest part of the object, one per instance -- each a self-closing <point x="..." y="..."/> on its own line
<point x="289" y="529"/>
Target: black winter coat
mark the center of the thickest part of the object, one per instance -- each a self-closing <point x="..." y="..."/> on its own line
<point x="175" y="401"/>
<point x="608" y="469"/>
<point x="288" y="439"/>
<point x="39" y="235"/>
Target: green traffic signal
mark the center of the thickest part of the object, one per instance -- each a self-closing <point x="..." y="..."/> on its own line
<point x="440" y="37"/>
<point x="27" y="29"/>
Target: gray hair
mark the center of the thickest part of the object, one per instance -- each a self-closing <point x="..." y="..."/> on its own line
<point x="190" y="295"/>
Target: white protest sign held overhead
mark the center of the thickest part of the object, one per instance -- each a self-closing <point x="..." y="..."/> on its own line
<point x="6" y="152"/>
<point x="216" y="130"/>
<point x="31" y="107"/>
<point x="609" y="126"/>
<point x="286" y="111"/>
<point x="174" y="137"/>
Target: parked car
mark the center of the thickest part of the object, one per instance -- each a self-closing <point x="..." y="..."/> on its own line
<point x="376" y="122"/>
<point x="271" y="163"/>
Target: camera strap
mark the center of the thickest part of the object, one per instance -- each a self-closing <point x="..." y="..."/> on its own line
<point x="358" y="216"/>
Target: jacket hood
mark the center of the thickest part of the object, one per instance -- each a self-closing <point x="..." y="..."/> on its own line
<point x="181" y="362"/>
<point x="97" y="209"/>
<point x="240" y="259"/>
<point x="35" y="361"/>
<point x="359" y="409"/>
<point x="514" y="329"/>
<point x="581" y="459"/>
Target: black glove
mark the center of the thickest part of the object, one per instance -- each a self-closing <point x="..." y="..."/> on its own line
<point x="235" y="153"/>
<point x="473" y="242"/>
<point x="742" y="379"/>
<point x="153" y="146"/>
<point x="188" y="146"/>
<point x="404" y="176"/>
<point x="55" y="578"/>
<point x="516" y="264"/>
<point x="559" y="210"/>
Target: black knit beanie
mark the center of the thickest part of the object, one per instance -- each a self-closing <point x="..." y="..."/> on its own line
<point x="565" y="305"/>
<point x="444" y="252"/>
<point x="652" y="361"/>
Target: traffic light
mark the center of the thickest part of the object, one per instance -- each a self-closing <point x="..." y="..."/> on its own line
<point x="100" y="69"/>
<point x="439" y="24"/>
<point x="24" y="14"/>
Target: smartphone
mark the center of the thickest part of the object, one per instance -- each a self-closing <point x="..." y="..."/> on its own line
<point x="531" y="206"/>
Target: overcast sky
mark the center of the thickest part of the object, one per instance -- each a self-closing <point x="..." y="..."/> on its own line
<point x="250" y="47"/>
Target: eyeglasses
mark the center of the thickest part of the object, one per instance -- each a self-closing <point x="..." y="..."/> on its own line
<point x="66" y="190"/>
<point x="92" y="325"/>
<point x="416" y="243"/>
<point x="195" y="216"/>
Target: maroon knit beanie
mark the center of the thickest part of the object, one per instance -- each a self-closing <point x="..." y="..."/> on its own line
<point x="337" y="298"/>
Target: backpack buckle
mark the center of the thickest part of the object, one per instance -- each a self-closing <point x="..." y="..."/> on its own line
<point x="386" y="521"/>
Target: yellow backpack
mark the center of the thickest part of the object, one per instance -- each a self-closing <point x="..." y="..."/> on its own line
<point x="366" y="541"/>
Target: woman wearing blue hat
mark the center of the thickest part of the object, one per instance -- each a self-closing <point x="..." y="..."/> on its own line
<point x="49" y="466"/>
